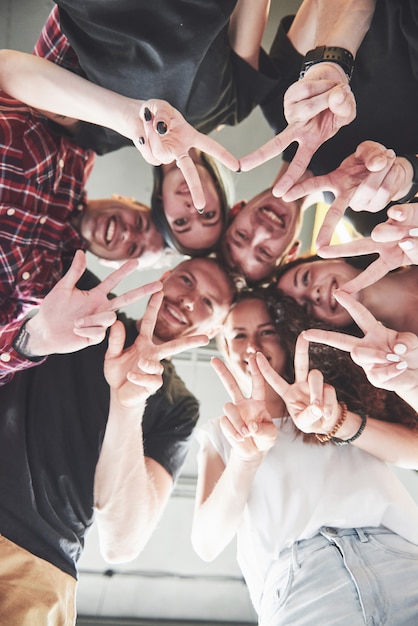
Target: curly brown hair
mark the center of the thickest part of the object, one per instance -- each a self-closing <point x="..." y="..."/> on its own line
<point x="337" y="367"/>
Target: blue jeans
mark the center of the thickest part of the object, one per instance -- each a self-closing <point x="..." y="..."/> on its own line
<point x="347" y="577"/>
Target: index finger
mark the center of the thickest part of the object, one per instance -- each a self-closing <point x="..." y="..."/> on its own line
<point x="271" y="149"/>
<point x="134" y="294"/>
<point x="227" y="379"/>
<point x="179" y="345"/>
<point x="301" y="359"/>
<point x="111" y="281"/>
<point x="362" y="316"/>
<point x="331" y="338"/>
<point x="370" y="275"/>
<point x="296" y="169"/>
<point x="274" y="379"/>
<point x="217" y="151"/>
<point x="150" y="316"/>
<point x="75" y="271"/>
<point x="332" y="217"/>
<point x="189" y="170"/>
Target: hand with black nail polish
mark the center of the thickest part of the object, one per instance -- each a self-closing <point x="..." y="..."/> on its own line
<point x="168" y="137"/>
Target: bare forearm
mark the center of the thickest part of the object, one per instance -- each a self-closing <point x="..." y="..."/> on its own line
<point x="126" y="499"/>
<point x="246" y="28"/>
<point x="394" y="443"/>
<point x="343" y="23"/>
<point x="216" y="520"/>
<point x="46" y="86"/>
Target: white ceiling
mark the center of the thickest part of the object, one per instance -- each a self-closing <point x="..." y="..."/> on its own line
<point x="168" y="581"/>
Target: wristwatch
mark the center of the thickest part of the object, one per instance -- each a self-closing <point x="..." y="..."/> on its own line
<point x="331" y="54"/>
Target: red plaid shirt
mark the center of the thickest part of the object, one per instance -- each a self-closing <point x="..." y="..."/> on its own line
<point x="42" y="182"/>
<point x="54" y="46"/>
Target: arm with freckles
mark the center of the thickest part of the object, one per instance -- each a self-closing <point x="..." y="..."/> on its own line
<point x="223" y="490"/>
<point x="390" y="361"/>
<point x="158" y="130"/>
<point x="131" y="489"/>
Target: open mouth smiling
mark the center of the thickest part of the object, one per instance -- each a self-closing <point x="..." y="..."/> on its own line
<point x="333" y="304"/>
<point x="110" y="231"/>
<point x="272" y="217"/>
<point x="174" y="313"/>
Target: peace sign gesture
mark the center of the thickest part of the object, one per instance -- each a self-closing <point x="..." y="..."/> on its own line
<point x="167" y="137"/>
<point x="247" y="423"/>
<point x="312" y="404"/>
<point x="136" y="372"/>
<point x="388" y="358"/>
<point x="316" y="107"/>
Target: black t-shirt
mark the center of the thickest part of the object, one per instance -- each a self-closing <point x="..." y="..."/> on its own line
<point x="52" y="427"/>
<point x="175" y="50"/>
<point x="385" y="85"/>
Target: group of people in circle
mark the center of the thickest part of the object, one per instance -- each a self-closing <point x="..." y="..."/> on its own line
<point x="319" y="353"/>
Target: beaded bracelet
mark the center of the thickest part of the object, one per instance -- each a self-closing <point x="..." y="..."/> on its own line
<point x="330" y="435"/>
<point x="343" y="442"/>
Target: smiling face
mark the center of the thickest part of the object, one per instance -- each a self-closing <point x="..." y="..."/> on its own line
<point x="119" y="228"/>
<point x="312" y="285"/>
<point x="197" y="297"/>
<point x="260" y="234"/>
<point x="191" y="229"/>
<point x="250" y="329"/>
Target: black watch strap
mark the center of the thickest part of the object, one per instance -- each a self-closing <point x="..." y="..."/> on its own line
<point x="331" y="54"/>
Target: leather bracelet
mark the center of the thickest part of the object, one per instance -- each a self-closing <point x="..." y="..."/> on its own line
<point x="330" y="435"/>
<point x="343" y="442"/>
<point x="330" y="54"/>
<point x="413" y="159"/>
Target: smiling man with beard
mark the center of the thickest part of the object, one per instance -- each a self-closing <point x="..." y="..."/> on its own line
<point x="45" y="215"/>
<point x="75" y="444"/>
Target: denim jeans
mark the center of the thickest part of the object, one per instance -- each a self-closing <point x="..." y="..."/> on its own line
<point x="344" y="577"/>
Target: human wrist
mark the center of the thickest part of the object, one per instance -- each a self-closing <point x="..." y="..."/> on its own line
<point x="26" y="343"/>
<point x="324" y="437"/>
<point x="353" y="428"/>
<point x="332" y="56"/>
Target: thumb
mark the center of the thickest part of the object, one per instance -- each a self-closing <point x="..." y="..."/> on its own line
<point x="116" y="340"/>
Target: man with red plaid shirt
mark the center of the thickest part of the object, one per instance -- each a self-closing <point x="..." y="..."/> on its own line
<point x="45" y="215"/>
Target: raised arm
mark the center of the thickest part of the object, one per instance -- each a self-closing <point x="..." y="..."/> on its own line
<point x="158" y="131"/>
<point x="246" y="28"/>
<point x="390" y="361"/>
<point x="365" y="181"/>
<point x="131" y="489"/>
<point x="223" y="487"/>
<point x="321" y="102"/>
<point x="68" y="319"/>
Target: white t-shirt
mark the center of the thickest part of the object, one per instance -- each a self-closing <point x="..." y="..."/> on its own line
<point x="300" y="487"/>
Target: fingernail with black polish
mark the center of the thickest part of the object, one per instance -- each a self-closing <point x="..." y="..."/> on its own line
<point x="141" y="141"/>
<point x="147" y="114"/>
<point x="161" y="128"/>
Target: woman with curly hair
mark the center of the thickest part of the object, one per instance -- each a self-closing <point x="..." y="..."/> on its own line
<point x="324" y="531"/>
<point x="313" y="282"/>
